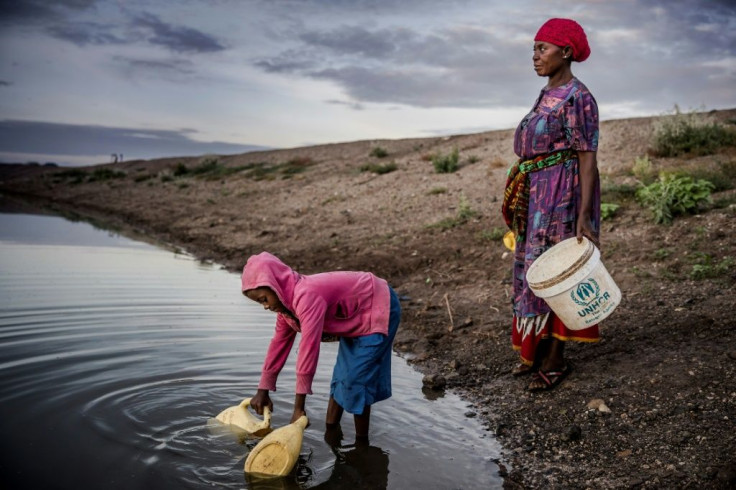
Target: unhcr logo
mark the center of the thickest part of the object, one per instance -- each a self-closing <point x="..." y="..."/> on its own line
<point x="585" y="292"/>
<point x="588" y="295"/>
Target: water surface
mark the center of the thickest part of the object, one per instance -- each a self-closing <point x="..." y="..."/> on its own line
<point x="114" y="354"/>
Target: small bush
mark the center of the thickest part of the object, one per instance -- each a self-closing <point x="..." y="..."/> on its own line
<point x="464" y="213"/>
<point x="294" y="166"/>
<point x="437" y="190"/>
<point x="690" y="134"/>
<point x="707" y="268"/>
<point x="493" y="235"/>
<point x="102" y="174"/>
<point x="76" y="175"/>
<point x="379" y="152"/>
<point x="446" y="164"/>
<point x="608" y="210"/>
<point x="674" y="195"/>
<point x="207" y="166"/>
<point x="611" y="191"/>
<point x="180" y="170"/>
<point x="643" y="170"/>
<point x="723" y="177"/>
<point x="379" y="169"/>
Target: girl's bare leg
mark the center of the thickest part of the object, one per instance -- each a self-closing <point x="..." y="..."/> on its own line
<point x="334" y="414"/>
<point x="362" y="423"/>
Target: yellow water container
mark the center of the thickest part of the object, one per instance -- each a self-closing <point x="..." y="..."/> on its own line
<point x="278" y="452"/>
<point x="509" y="240"/>
<point x="240" y="419"/>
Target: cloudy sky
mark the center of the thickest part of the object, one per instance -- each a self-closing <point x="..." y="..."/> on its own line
<point x="82" y="79"/>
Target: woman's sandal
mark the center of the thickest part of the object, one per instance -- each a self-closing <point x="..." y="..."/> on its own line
<point x="550" y="379"/>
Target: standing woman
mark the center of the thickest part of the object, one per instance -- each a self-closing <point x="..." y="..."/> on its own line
<point x="552" y="193"/>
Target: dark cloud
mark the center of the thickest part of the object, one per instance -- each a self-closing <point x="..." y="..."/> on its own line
<point x="34" y="11"/>
<point x="179" y="39"/>
<point x="356" y="40"/>
<point x="83" y="34"/>
<point x="80" y="140"/>
<point x="5" y="83"/>
<point x="290" y="61"/>
<point x="353" y="105"/>
<point x="664" y="50"/>
<point x="173" y="67"/>
<point x="451" y="68"/>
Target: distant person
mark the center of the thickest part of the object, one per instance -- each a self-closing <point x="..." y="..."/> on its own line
<point x="356" y="308"/>
<point x="552" y="193"/>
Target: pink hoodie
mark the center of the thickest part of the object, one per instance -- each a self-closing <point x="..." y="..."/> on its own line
<point x="346" y="304"/>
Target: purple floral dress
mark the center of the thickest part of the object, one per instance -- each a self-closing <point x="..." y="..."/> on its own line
<point x="564" y="117"/>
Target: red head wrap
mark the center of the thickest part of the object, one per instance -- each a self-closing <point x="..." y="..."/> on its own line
<point x="565" y="32"/>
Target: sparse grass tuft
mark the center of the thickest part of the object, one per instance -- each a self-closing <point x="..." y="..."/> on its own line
<point x="643" y="170"/>
<point x="608" y="210"/>
<point x="379" y="169"/>
<point x="464" y="213"/>
<point x="437" y="190"/>
<point x="495" y="234"/>
<point x="446" y="164"/>
<point x="379" y="152"/>
<point x="706" y="267"/>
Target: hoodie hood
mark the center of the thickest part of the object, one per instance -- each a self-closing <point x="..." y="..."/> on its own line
<point x="267" y="270"/>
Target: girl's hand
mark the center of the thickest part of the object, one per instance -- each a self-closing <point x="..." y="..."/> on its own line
<point x="298" y="413"/>
<point x="261" y="401"/>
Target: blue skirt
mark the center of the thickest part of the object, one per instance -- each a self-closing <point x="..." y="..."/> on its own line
<point x="362" y="373"/>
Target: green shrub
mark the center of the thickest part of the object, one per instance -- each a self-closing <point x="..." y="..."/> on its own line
<point x="608" y="210"/>
<point x="379" y="152"/>
<point x="76" y="175"/>
<point x="208" y="165"/>
<point x="672" y="195"/>
<point x="723" y="177"/>
<point x="446" y="164"/>
<point x="643" y="170"/>
<point x="180" y="170"/>
<point x="707" y="268"/>
<point x="379" y="169"/>
<point x="690" y="134"/>
<point x="464" y="213"/>
<point x="101" y="174"/>
<point x="493" y="235"/>
<point x="437" y="190"/>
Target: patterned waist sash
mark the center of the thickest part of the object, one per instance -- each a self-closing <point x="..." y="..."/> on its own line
<point x="515" y="206"/>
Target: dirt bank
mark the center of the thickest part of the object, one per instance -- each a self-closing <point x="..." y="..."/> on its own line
<point x="667" y="362"/>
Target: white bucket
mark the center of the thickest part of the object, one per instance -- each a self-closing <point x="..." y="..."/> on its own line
<point x="573" y="281"/>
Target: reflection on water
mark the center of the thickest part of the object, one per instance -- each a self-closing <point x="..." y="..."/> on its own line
<point x="114" y="355"/>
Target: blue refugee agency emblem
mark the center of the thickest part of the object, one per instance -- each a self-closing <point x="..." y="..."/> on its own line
<point x="585" y="292"/>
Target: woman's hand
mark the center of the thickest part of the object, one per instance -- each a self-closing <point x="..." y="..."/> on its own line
<point x="261" y="401"/>
<point x="588" y="167"/>
<point x="585" y="229"/>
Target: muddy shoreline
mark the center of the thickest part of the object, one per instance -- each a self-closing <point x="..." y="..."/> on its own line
<point x="665" y="367"/>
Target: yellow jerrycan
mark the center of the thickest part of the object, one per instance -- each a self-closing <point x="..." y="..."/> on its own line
<point x="509" y="240"/>
<point x="240" y="419"/>
<point x="278" y="452"/>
